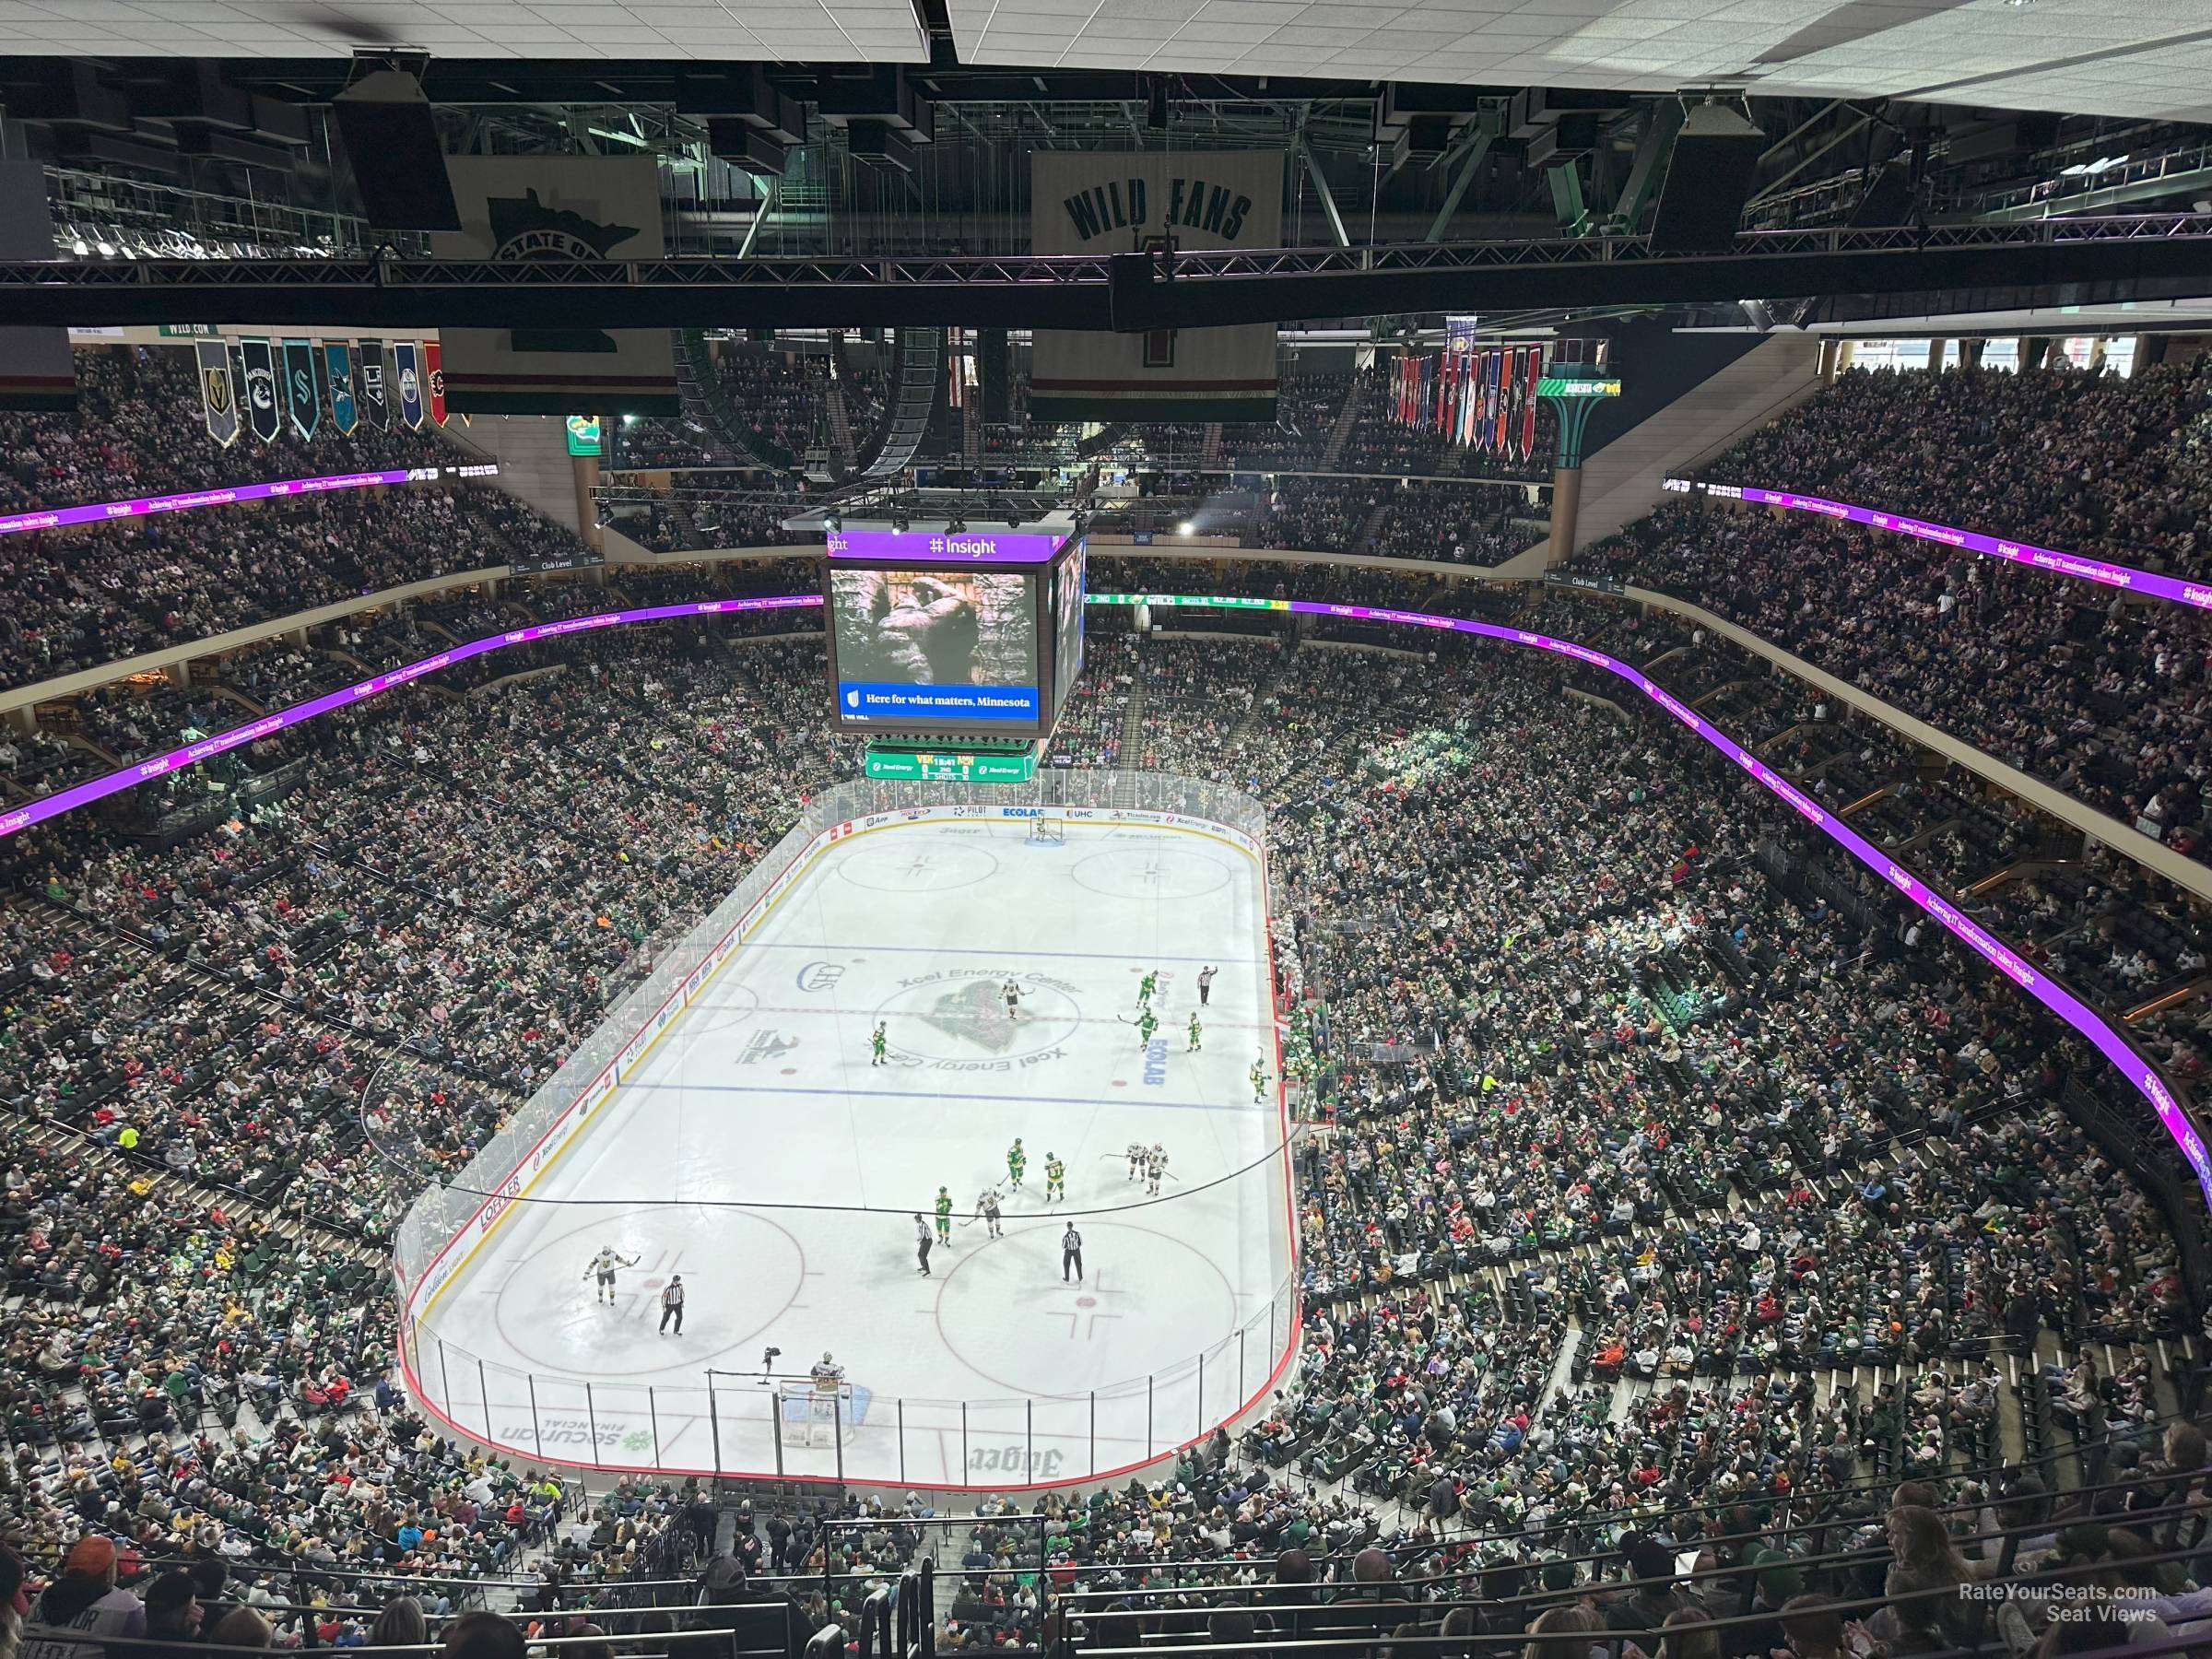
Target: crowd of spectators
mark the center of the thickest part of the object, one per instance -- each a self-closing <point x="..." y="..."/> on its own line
<point x="1641" y="1131"/>
<point x="2117" y="467"/>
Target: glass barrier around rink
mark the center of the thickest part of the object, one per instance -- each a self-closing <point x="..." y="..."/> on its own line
<point x="760" y="1426"/>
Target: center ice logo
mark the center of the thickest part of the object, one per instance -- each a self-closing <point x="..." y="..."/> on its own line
<point x="975" y="1012"/>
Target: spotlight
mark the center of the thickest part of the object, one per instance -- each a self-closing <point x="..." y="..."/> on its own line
<point x="1186" y="527"/>
<point x="899" y="522"/>
<point x="831" y="521"/>
<point x="954" y="525"/>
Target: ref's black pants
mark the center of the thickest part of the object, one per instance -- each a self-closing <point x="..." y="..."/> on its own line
<point x="1071" y="1258"/>
<point x="676" y="1313"/>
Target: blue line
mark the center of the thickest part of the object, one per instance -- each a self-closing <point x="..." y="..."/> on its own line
<point x="1133" y="957"/>
<point x="955" y="1094"/>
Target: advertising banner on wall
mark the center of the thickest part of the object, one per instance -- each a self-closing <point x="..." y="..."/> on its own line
<point x="1126" y="202"/>
<point x="556" y="207"/>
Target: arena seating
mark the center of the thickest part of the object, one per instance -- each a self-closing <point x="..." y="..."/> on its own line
<point x="1661" y="1179"/>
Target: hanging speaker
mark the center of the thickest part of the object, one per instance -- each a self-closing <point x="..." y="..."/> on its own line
<point x="1708" y="181"/>
<point x="392" y="140"/>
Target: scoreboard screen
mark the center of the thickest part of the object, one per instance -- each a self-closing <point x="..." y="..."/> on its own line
<point x="951" y="632"/>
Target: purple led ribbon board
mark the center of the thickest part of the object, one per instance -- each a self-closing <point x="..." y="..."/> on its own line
<point x="2062" y="1002"/>
<point x="2079" y="566"/>
<point x="2132" y="1066"/>
<point x="940" y="546"/>
<point x="101" y="512"/>
<point x="81" y="794"/>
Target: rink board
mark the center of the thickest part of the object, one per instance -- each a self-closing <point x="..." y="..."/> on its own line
<point x="740" y="1137"/>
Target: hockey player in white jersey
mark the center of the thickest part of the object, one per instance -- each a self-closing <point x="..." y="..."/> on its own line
<point x="603" y="1267"/>
<point x="1156" y="1165"/>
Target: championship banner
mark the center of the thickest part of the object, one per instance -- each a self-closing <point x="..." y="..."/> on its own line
<point x="261" y="411"/>
<point x="376" y="406"/>
<point x="556" y="207"/>
<point x="411" y="383"/>
<point x="434" y="372"/>
<point x="1126" y="202"/>
<point x="300" y="400"/>
<point x="339" y="361"/>
<point x="1529" y="375"/>
<point x="219" y="393"/>
<point x="38" y="372"/>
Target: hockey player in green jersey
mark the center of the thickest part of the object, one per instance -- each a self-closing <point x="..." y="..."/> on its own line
<point x="1146" y="1026"/>
<point x="875" y="1041"/>
<point x="1056" y="1179"/>
<point x="1017" y="1161"/>
<point x="1195" y="1031"/>
<point x="944" y="1216"/>
<point x="1147" y="986"/>
<point x="1259" y="1082"/>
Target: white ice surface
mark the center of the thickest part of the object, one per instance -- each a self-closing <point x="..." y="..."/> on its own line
<point x="758" y="1153"/>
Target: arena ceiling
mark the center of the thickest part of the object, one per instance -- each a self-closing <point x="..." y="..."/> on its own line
<point x="2144" y="58"/>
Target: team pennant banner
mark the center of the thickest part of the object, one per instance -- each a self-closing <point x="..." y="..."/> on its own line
<point x="434" y="372"/>
<point x="338" y="358"/>
<point x="300" y="400"/>
<point x="263" y="414"/>
<point x="411" y="383"/>
<point x="376" y="405"/>
<point x="218" y="394"/>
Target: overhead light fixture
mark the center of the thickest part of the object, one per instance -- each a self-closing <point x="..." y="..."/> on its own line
<point x="830" y="521"/>
<point x="1186" y="527"/>
<point x="954" y="525"/>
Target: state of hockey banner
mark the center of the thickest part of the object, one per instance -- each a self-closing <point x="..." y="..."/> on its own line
<point x="263" y="413"/>
<point x="218" y="394"/>
<point x="37" y="370"/>
<point x="300" y="403"/>
<point x="1126" y="202"/>
<point x="339" y="361"/>
<point x="376" y="405"/>
<point x="410" y="383"/>
<point x="434" y="377"/>
<point x="561" y="208"/>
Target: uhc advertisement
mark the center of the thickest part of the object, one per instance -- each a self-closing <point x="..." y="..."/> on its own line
<point x="935" y="649"/>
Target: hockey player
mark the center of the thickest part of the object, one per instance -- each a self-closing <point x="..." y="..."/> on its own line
<point x="828" y="1374"/>
<point x="1012" y="992"/>
<point x="1145" y="1025"/>
<point x="1156" y="1165"/>
<point x="1259" y="1082"/>
<point x="603" y="1267"/>
<point x="1056" y="1179"/>
<point x="1017" y="1161"/>
<point x="986" y="1211"/>
<point x="1147" y="986"/>
<point x="1136" y="1158"/>
<point x="944" y="1216"/>
<point x="876" y="1043"/>
<point x="1196" y="1031"/>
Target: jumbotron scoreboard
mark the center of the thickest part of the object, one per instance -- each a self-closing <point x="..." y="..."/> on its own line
<point x="953" y="650"/>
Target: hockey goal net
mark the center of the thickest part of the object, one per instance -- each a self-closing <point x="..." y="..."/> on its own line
<point x="812" y="1415"/>
<point x="1048" y="833"/>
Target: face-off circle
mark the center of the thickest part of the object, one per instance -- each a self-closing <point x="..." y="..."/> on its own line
<point x="1172" y="872"/>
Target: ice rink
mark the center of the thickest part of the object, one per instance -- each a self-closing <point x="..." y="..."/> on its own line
<point x="759" y="1152"/>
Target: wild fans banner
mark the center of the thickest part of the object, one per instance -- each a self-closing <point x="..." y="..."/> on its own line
<point x="263" y="412"/>
<point x="1124" y="202"/>
<point x="410" y="383"/>
<point x="300" y="400"/>
<point x="218" y="394"/>
<point x="36" y="369"/>
<point x="337" y="359"/>
<point x="376" y="406"/>
<point x="556" y="208"/>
